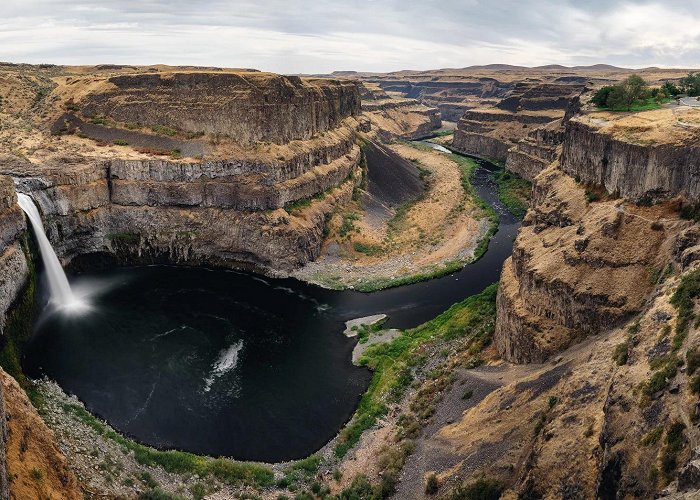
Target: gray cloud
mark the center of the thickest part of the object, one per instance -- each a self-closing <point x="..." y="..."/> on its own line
<point x="373" y="35"/>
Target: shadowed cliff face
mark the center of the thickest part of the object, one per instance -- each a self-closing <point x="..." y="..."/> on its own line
<point x="247" y="107"/>
<point x="639" y="169"/>
<point x="577" y="268"/>
<point x="13" y="264"/>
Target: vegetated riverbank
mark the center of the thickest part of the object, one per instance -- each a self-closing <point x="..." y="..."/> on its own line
<point x="431" y="236"/>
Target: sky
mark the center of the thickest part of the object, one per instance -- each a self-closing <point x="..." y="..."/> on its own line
<point x="301" y="36"/>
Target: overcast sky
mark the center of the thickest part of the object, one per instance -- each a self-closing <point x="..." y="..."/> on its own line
<point x="300" y="36"/>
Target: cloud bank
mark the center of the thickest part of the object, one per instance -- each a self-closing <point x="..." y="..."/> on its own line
<point x="300" y="36"/>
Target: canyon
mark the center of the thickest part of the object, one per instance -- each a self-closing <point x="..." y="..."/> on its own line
<point x="574" y="378"/>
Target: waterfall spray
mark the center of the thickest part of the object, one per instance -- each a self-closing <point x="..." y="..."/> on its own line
<point x="61" y="293"/>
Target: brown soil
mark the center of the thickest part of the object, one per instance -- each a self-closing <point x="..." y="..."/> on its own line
<point x="36" y="467"/>
<point x="440" y="227"/>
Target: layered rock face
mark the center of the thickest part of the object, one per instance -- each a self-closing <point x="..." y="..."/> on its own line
<point x="228" y="213"/>
<point x="13" y="264"/>
<point x="633" y="167"/>
<point x="493" y="132"/>
<point x="247" y="107"/>
<point x="535" y="152"/>
<point x="259" y="207"/>
<point x="577" y="268"/>
<point x="406" y="118"/>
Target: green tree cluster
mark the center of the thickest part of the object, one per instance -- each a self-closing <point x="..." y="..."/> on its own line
<point x="632" y="90"/>
<point x="691" y="84"/>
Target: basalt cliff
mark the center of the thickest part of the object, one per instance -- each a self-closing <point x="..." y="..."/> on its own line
<point x="128" y="186"/>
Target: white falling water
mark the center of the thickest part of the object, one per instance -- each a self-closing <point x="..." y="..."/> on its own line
<point x="61" y="293"/>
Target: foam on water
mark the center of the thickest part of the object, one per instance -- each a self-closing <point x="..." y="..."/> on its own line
<point x="227" y="361"/>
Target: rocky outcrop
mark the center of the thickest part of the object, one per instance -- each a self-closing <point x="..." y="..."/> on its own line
<point x="196" y="213"/>
<point x="36" y="466"/>
<point x="577" y="268"/>
<point x="405" y="118"/>
<point x="13" y="263"/>
<point x="508" y="131"/>
<point x="476" y="144"/>
<point x="534" y="153"/>
<point x="247" y="107"/>
<point x="638" y="171"/>
<point x="262" y="206"/>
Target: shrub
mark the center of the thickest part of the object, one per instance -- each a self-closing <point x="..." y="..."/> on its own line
<point x="431" y="484"/>
<point x="683" y="300"/>
<point x="121" y="142"/>
<point x="675" y="441"/>
<point x="36" y="474"/>
<point x="621" y="353"/>
<point x="163" y="130"/>
<point x="652" y="437"/>
<point x="692" y="359"/>
<point x="481" y="489"/>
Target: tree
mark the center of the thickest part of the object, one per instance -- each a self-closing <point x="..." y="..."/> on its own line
<point x="600" y="98"/>
<point x="624" y="95"/>
<point x="670" y="89"/>
<point x="691" y="84"/>
<point x="634" y="89"/>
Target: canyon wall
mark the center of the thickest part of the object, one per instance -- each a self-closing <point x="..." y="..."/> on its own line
<point x="262" y="206"/>
<point x="577" y="268"/>
<point x="247" y="107"/>
<point x="221" y="212"/>
<point x="405" y="118"/>
<point x="521" y="130"/>
<point x="636" y="170"/>
<point x="13" y="263"/>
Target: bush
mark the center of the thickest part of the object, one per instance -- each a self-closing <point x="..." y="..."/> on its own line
<point x="652" y="437"/>
<point x="691" y="84"/>
<point x="684" y="301"/>
<point x="623" y="96"/>
<point x="600" y="98"/>
<point x="481" y="489"/>
<point x="675" y="441"/>
<point x="621" y="353"/>
<point x="692" y="359"/>
<point x="431" y="484"/>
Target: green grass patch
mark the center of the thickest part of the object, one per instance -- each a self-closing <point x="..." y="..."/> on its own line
<point x="513" y="191"/>
<point x="348" y="224"/>
<point x="163" y="130"/>
<point x="392" y="361"/>
<point x="647" y="104"/>
<point x="370" y="250"/>
<point x="683" y="300"/>
<point x="227" y="471"/>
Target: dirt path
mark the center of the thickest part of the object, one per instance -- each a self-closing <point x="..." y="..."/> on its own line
<point x="432" y="454"/>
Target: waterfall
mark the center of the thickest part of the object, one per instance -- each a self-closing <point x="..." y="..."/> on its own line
<point x="61" y="293"/>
